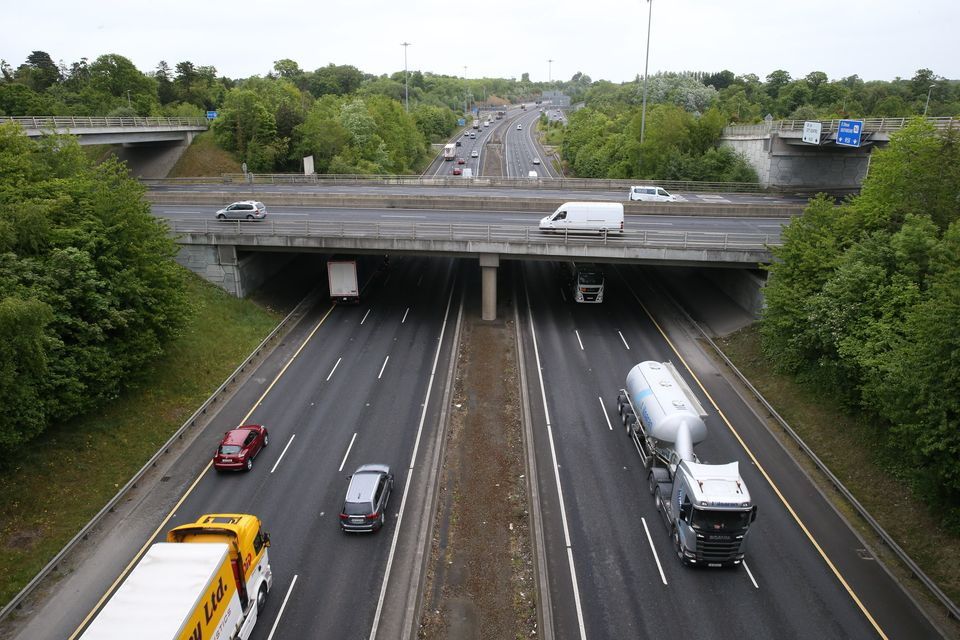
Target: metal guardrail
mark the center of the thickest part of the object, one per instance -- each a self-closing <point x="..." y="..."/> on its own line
<point x="465" y="232"/>
<point x="870" y="125"/>
<point x="887" y="539"/>
<point x="573" y="184"/>
<point x="192" y="421"/>
<point x="80" y="122"/>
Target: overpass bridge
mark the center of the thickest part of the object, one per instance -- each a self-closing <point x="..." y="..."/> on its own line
<point x="103" y="130"/>
<point x="240" y="255"/>
<point x="783" y="160"/>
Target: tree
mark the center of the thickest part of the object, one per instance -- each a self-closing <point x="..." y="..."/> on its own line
<point x="39" y="72"/>
<point x="88" y="289"/>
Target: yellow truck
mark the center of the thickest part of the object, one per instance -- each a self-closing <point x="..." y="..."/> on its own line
<point x="208" y="581"/>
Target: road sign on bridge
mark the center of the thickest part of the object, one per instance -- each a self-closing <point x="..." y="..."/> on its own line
<point x="848" y="133"/>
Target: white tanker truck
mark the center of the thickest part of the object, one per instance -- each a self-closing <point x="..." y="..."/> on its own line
<point x="706" y="507"/>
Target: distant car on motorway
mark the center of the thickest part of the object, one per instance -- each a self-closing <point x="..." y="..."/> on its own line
<point x="460" y="160"/>
<point x="368" y="494"/>
<point x="457" y="171"/>
<point x="474" y="154"/>
<point x="519" y="127"/>
<point x="243" y="210"/>
<point x="239" y="446"/>
<point x="536" y="161"/>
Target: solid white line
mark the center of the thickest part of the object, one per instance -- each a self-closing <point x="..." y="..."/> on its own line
<point x="578" y="339"/>
<point x="383" y="367"/>
<point x="624" y="341"/>
<point x="405" y="315"/>
<point x="556" y="467"/>
<point x="387" y="215"/>
<point x="365" y="316"/>
<point x="273" y="629"/>
<point x="334" y="368"/>
<point x="277" y="463"/>
<point x="750" y="573"/>
<point x="655" y="556"/>
<point x="406" y="487"/>
<point x="349" y="446"/>
<point x="604" y="409"/>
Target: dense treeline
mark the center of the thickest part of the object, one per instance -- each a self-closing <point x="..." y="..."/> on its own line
<point x="349" y="121"/>
<point x="863" y="302"/>
<point x="88" y="290"/>
<point x="686" y="113"/>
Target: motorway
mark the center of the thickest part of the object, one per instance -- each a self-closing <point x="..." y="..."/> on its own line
<point x="612" y="571"/>
<point x="352" y="385"/>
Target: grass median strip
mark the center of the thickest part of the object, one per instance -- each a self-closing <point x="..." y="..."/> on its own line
<point x="51" y="487"/>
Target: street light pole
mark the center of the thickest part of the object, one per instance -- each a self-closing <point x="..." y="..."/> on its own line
<point x="646" y="66"/>
<point x="130" y="107"/>
<point x="550" y="70"/>
<point x="928" y="100"/>
<point x="406" y="76"/>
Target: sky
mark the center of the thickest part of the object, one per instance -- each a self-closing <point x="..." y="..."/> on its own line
<point x="604" y="39"/>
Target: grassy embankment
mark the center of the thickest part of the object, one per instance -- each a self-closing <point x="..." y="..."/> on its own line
<point x="54" y="485"/>
<point x="204" y="158"/>
<point x="838" y="439"/>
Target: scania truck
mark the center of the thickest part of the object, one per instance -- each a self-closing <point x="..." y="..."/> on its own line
<point x="208" y="581"/>
<point x="706" y="507"/>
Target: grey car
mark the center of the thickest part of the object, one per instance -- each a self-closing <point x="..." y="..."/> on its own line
<point x="365" y="506"/>
<point x="243" y="210"/>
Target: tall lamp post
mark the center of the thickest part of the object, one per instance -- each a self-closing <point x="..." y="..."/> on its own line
<point x="928" y="100"/>
<point x="465" y="88"/>
<point x="646" y="63"/>
<point x="406" y="76"/>
<point x="550" y="70"/>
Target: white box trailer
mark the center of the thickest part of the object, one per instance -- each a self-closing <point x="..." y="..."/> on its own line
<point x="343" y="279"/>
<point x="175" y="591"/>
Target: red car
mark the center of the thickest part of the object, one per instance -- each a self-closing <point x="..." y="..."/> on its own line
<point x="461" y="161"/>
<point x="239" y="447"/>
<point x="457" y="171"/>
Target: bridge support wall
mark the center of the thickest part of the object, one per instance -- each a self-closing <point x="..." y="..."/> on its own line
<point x="237" y="274"/>
<point x="782" y="165"/>
<point x="743" y="286"/>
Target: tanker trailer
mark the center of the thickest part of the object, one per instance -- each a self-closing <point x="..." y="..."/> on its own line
<point x="706" y="507"/>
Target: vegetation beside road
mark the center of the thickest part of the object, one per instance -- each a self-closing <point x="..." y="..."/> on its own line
<point x="53" y="485"/>
<point x="838" y="438"/>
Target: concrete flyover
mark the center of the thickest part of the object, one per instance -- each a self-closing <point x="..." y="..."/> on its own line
<point x="102" y="130"/>
<point x="783" y="161"/>
<point x="238" y="255"/>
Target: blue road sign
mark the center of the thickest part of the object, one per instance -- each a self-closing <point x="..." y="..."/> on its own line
<point x="848" y="133"/>
<point x="461" y="122"/>
<point x="211" y="115"/>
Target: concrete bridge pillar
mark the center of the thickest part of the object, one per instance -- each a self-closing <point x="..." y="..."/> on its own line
<point x="488" y="285"/>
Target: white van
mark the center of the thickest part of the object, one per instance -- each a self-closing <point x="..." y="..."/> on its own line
<point x="468" y="173"/>
<point x="585" y="216"/>
<point x="650" y="194"/>
<point x="532" y="174"/>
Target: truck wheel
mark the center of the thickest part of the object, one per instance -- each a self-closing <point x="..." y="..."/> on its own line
<point x="657" y="499"/>
<point x="675" y="536"/>
<point x="261" y="598"/>
<point x="652" y="485"/>
<point x="249" y="464"/>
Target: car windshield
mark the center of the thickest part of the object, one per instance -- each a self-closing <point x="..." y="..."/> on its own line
<point x="591" y="277"/>
<point x="720" y="520"/>
<point x="229" y="449"/>
<point x="356" y="508"/>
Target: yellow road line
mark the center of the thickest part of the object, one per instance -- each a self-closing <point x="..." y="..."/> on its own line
<point x="163" y="524"/>
<point x="763" y="471"/>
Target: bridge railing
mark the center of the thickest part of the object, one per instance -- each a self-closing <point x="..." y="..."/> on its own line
<point x="79" y="122"/>
<point x="468" y="232"/>
<point x="870" y="125"/>
<point x="572" y="184"/>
